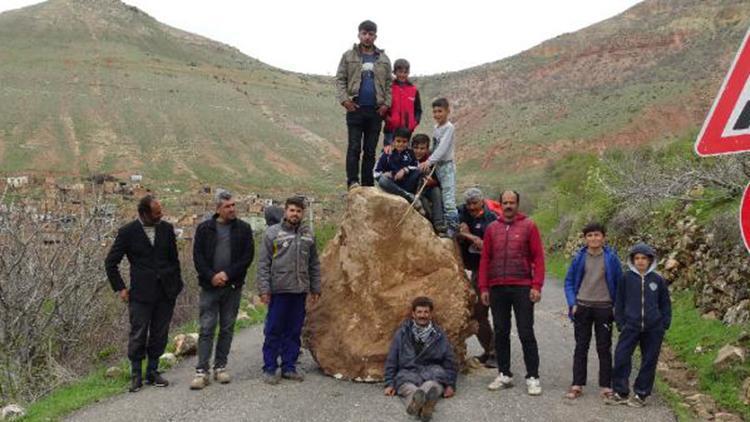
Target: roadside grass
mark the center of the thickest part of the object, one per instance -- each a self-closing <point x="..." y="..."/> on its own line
<point x="556" y="265"/>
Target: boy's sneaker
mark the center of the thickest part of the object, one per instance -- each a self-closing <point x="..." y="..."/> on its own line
<point x="616" y="398"/>
<point x="154" y="378"/>
<point x="293" y="376"/>
<point x="136" y="383"/>
<point x="271" y="378"/>
<point x="501" y="381"/>
<point x="200" y="381"/>
<point x="221" y="375"/>
<point x="416" y="403"/>
<point x="533" y="386"/>
<point x="637" y="401"/>
<point x="429" y="404"/>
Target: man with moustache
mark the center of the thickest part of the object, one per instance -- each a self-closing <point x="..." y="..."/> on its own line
<point x="511" y="275"/>
<point x="363" y="88"/>
<point x="155" y="281"/>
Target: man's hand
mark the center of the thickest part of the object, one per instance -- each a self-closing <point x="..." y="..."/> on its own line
<point x="424" y="167"/>
<point x="349" y="105"/>
<point x="485" y="296"/>
<point x="265" y="298"/>
<point x="535" y="295"/>
<point x="573" y="311"/>
<point x="124" y="295"/>
<point x="463" y="228"/>
<point x="390" y="391"/>
<point x="314" y="298"/>
<point x="478" y="242"/>
<point x="382" y="110"/>
<point x="219" y="279"/>
<point x="448" y="392"/>
<point x="400" y="174"/>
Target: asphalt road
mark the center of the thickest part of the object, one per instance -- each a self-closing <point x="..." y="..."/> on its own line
<point x="322" y="398"/>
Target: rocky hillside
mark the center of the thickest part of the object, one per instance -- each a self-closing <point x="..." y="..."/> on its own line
<point x="97" y="85"/>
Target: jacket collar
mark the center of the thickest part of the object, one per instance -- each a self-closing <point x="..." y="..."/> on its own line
<point x="378" y="51"/>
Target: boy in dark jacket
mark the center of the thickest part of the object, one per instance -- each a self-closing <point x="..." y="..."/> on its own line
<point x="420" y="366"/>
<point x="643" y="312"/>
<point x="396" y="172"/>
<point x="432" y="197"/>
<point x="406" y="107"/>
<point x="590" y="290"/>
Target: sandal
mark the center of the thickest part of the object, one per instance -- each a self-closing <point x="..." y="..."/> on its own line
<point x="574" y="392"/>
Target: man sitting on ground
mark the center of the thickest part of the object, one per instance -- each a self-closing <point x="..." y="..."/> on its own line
<point x="420" y="366"/>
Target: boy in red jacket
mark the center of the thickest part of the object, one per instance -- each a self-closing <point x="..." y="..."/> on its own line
<point x="406" y="107"/>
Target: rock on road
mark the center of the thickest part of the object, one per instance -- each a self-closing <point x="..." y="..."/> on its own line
<point x="322" y="398"/>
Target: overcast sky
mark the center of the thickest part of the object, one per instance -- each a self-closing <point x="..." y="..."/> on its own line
<point x="309" y="36"/>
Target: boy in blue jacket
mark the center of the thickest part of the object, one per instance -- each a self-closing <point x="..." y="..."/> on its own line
<point x="643" y="312"/>
<point x="396" y="171"/>
<point x="590" y="290"/>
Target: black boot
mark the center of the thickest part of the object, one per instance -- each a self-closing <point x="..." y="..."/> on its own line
<point x="154" y="378"/>
<point x="136" y="382"/>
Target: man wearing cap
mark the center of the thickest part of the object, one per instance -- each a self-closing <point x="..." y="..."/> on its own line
<point x="363" y="88"/>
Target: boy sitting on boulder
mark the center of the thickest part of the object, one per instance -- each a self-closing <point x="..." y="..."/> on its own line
<point x="432" y="198"/>
<point x="397" y="172"/>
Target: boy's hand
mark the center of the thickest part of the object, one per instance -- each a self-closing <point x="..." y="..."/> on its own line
<point x="382" y="110"/>
<point x="449" y="392"/>
<point x="423" y="167"/>
<point x="387" y="149"/>
<point x="349" y="105"/>
<point x="400" y="174"/>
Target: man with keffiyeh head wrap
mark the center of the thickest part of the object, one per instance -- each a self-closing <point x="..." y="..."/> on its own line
<point x="420" y="366"/>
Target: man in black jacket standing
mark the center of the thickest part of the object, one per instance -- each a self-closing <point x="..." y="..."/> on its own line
<point x="222" y="251"/>
<point x="155" y="281"/>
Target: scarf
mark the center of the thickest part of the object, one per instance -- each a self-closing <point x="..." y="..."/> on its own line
<point x="422" y="334"/>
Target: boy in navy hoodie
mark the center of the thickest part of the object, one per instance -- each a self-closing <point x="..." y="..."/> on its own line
<point x="643" y="312"/>
<point x="396" y="171"/>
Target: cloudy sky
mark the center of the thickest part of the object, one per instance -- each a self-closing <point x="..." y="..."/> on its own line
<point x="309" y="36"/>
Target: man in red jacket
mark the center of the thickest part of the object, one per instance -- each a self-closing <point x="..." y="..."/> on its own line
<point x="511" y="275"/>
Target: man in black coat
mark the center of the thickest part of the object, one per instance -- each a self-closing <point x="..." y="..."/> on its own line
<point x="155" y="281"/>
<point x="223" y="249"/>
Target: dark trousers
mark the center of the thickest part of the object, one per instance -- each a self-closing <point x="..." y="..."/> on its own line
<point x="404" y="188"/>
<point x="363" y="126"/>
<point x="286" y="315"/>
<point x="600" y="319"/>
<point x="217" y="305"/>
<point x="502" y="300"/>
<point x="432" y="201"/>
<point x="650" y="344"/>
<point x="149" y="330"/>
<point x="481" y="315"/>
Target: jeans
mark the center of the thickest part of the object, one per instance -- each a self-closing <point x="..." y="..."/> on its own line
<point x="502" y="300"/>
<point x="284" y="320"/>
<point x="217" y="305"/>
<point x="432" y="201"/>
<point x="363" y="126"/>
<point x="600" y="319"/>
<point x="405" y="188"/>
<point x="650" y="344"/>
<point x="446" y="175"/>
<point x="149" y="329"/>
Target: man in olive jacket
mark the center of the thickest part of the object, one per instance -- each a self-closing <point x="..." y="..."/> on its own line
<point x="288" y="269"/>
<point x="155" y="281"/>
<point x="363" y="88"/>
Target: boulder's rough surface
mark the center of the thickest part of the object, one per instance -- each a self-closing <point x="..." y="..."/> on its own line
<point x="371" y="271"/>
<point x="186" y="344"/>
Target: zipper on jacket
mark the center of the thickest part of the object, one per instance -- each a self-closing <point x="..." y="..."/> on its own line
<point x="643" y="302"/>
<point x="505" y="258"/>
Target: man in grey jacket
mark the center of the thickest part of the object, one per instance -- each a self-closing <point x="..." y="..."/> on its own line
<point x="288" y="269"/>
<point x="363" y="88"/>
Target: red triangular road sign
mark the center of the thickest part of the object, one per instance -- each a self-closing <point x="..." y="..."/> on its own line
<point x="727" y="127"/>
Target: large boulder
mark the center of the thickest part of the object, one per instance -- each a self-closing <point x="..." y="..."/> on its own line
<point x="371" y="271"/>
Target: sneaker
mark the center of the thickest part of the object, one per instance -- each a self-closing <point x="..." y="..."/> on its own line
<point x="293" y="376"/>
<point x="637" y="401"/>
<point x="533" y="386"/>
<point x="271" y="378"/>
<point x="616" y="398"/>
<point x="429" y="405"/>
<point x="416" y="403"/>
<point x="136" y="383"/>
<point x="501" y="381"/>
<point x="200" y="381"/>
<point x="222" y="376"/>
<point x="155" y="379"/>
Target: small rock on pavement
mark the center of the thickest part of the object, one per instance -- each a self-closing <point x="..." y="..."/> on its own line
<point x="168" y="358"/>
<point x="243" y="316"/>
<point x="113" y="372"/>
<point x="729" y="355"/>
<point x="186" y="344"/>
<point x="12" y="411"/>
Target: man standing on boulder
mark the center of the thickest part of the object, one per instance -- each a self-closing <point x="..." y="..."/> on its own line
<point x="288" y="269"/>
<point x="420" y="366"/>
<point x="511" y="275"/>
<point x="222" y="250"/>
<point x="363" y="88"/>
<point x="155" y="281"/>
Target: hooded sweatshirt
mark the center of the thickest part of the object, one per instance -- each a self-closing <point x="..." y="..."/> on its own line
<point x="642" y="301"/>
